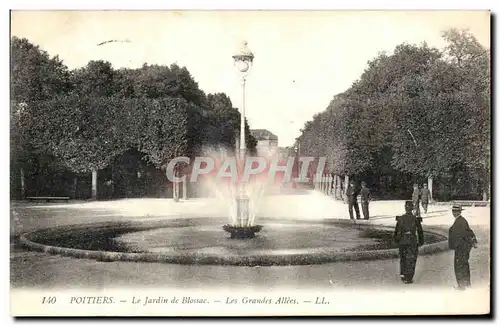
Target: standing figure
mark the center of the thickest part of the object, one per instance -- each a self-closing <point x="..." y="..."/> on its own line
<point x="352" y="200"/>
<point x="425" y="196"/>
<point x="409" y="236"/>
<point x="365" y="199"/>
<point x="416" y="200"/>
<point x="461" y="239"/>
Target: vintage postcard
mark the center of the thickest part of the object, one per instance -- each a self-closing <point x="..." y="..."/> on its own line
<point x="250" y="163"/>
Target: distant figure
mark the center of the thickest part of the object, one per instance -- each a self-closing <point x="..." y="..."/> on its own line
<point x="409" y="236"/>
<point x="416" y="199"/>
<point x="425" y="196"/>
<point x="352" y="200"/>
<point x="461" y="239"/>
<point x="365" y="200"/>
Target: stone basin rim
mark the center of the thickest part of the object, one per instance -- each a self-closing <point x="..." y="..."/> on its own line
<point x="265" y="259"/>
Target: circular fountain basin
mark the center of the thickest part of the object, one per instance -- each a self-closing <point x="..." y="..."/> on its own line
<point x="202" y="241"/>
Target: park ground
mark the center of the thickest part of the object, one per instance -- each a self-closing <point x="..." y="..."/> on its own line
<point x="34" y="270"/>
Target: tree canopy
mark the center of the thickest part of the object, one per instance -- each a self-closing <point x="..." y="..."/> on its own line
<point x="419" y="110"/>
<point x="86" y="117"/>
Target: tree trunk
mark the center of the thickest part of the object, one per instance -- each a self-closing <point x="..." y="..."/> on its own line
<point x="327" y="184"/>
<point x="23" y="185"/>
<point x="339" y="187"/>
<point x="176" y="191"/>
<point x="94" y="184"/>
<point x="175" y="186"/>
<point x="75" y="184"/>
<point x="334" y="190"/>
<point x="184" y="187"/>
<point x="346" y="183"/>
<point x="429" y="185"/>
<point x="330" y="180"/>
<point x="112" y="182"/>
<point x="338" y="191"/>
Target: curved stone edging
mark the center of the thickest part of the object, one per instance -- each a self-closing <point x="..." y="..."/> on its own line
<point x="235" y="260"/>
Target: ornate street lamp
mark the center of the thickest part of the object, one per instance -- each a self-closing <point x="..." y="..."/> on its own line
<point x="243" y="60"/>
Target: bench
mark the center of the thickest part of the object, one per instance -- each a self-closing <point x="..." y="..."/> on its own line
<point x="473" y="203"/>
<point x="465" y="203"/>
<point x="47" y="199"/>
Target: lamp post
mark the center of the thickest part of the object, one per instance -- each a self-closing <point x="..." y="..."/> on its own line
<point x="243" y="60"/>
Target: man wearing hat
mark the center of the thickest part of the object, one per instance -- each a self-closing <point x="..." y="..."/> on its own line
<point x="352" y="199"/>
<point x="409" y="235"/>
<point x="416" y="199"/>
<point x="425" y="196"/>
<point x="365" y="200"/>
<point x="461" y="239"/>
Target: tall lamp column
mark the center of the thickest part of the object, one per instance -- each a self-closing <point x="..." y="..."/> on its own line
<point x="243" y="60"/>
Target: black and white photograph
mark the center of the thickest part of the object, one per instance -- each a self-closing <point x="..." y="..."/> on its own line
<point x="250" y="163"/>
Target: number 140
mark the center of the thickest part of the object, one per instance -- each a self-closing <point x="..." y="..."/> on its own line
<point x="49" y="300"/>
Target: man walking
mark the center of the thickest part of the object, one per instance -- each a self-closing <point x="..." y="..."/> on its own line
<point x="416" y="199"/>
<point x="352" y="200"/>
<point x="461" y="239"/>
<point x="365" y="199"/>
<point x="425" y="196"/>
<point x="408" y="235"/>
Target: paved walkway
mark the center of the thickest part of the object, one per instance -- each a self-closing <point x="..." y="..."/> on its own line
<point x="36" y="270"/>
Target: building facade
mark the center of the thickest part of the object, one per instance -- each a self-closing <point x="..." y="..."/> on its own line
<point x="267" y="142"/>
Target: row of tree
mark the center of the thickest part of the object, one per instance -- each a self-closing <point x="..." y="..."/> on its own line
<point x="82" y="120"/>
<point x="417" y="114"/>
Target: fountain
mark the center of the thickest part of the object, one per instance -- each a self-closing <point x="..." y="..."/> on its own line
<point x="243" y="204"/>
<point x="242" y="198"/>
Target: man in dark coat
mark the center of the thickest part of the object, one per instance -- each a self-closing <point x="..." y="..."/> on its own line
<point x="365" y="200"/>
<point x="425" y="196"/>
<point x="352" y="200"/>
<point x="461" y="239"/>
<point x="415" y="197"/>
<point x="409" y="236"/>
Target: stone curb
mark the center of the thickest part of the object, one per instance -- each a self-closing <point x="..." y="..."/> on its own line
<point x="210" y="259"/>
<point x="464" y="203"/>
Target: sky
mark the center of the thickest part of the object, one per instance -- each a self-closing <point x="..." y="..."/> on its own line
<point x="302" y="58"/>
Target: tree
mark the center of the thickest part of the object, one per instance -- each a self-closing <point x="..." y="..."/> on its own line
<point x="223" y="123"/>
<point x="85" y="118"/>
<point x="79" y="131"/>
<point x="34" y="74"/>
<point x="474" y="73"/>
<point x="20" y="148"/>
<point x="96" y="79"/>
<point x="164" y="129"/>
<point x="418" y="111"/>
